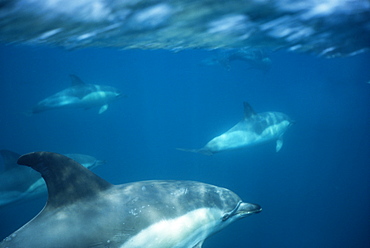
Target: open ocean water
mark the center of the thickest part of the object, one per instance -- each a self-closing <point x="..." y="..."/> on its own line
<point x="315" y="192"/>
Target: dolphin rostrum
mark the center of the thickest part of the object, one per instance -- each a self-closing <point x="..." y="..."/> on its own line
<point x="21" y="183"/>
<point x="79" y="95"/>
<point x="255" y="128"/>
<point x="83" y="210"/>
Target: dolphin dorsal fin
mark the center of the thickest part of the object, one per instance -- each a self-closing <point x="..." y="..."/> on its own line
<point x="67" y="181"/>
<point x="10" y="158"/>
<point x="76" y="80"/>
<point x="248" y="111"/>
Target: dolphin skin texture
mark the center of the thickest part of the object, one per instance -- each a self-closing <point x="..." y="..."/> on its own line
<point x="79" y="95"/>
<point x="83" y="210"/>
<point x="21" y="183"/>
<point x="255" y="128"/>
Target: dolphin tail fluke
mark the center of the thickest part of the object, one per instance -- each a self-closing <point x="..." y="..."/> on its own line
<point x="202" y="151"/>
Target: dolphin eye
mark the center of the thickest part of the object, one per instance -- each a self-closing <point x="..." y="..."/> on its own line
<point x="225" y="217"/>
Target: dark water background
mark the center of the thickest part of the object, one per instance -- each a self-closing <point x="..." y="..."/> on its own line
<point x="315" y="192"/>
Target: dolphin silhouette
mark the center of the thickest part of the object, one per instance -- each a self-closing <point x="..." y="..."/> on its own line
<point x="253" y="129"/>
<point x="83" y="210"/>
<point x="79" y="95"/>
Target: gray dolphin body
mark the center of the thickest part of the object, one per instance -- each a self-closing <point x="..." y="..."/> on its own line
<point x="21" y="183"/>
<point x="83" y="210"/>
<point x="253" y="129"/>
<point x="79" y="95"/>
<point x="255" y="58"/>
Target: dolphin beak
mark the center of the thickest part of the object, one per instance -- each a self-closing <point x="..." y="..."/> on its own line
<point x="243" y="209"/>
<point x="246" y="209"/>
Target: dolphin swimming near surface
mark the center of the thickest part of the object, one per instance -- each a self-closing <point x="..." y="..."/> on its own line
<point x="79" y="95"/>
<point x="255" y="58"/>
<point x="255" y="128"/>
<point x="21" y="183"/>
<point x="83" y="210"/>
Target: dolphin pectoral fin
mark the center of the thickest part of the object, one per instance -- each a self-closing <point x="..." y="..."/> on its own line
<point x="279" y="144"/>
<point x="103" y="108"/>
<point x="202" y="151"/>
<point x="199" y="245"/>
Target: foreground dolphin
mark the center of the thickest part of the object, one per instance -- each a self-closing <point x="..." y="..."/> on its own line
<point x="79" y="95"/>
<point x="20" y="183"/>
<point x="253" y="129"/>
<point x="83" y="210"/>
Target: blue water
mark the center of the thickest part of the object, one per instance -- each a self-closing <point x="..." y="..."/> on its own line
<point x="315" y="192"/>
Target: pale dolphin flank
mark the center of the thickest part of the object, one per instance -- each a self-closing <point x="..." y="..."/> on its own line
<point x="255" y="128"/>
<point x="21" y="183"/>
<point x="79" y="95"/>
<point x="83" y="210"/>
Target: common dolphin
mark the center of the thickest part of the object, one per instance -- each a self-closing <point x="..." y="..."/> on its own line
<point x="79" y="95"/>
<point x="253" y="129"/>
<point x="21" y="183"/>
<point x="83" y="210"/>
<point x="255" y="58"/>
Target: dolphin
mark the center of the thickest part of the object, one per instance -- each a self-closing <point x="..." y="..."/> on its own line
<point x="253" y="129"/>
<point x="20" y="183"/>
<point x="84" y="210"/>
<point x="254" y="58"/>
<point x="79" y="95"/>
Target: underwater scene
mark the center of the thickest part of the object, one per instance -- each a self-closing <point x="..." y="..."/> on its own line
<point x="201" y="124"/>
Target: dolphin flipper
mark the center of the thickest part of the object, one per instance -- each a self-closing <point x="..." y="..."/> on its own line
<point x="199" y="245"/>
<point x="279" y="143"/>
<point x="103" y="108"/>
